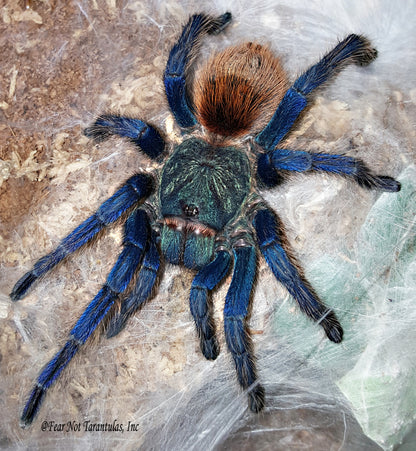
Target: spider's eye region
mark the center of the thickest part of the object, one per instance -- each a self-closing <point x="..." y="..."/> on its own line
<point x="190" y="210"/>
<point x="205" y="184"/>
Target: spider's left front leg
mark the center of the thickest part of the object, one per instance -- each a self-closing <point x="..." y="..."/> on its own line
<point x="235" y="315"/>
<point x="269" y="237"/>
<point x="204" y="282"/>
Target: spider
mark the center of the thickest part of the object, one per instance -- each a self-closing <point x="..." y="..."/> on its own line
<point x="202" y="207"/>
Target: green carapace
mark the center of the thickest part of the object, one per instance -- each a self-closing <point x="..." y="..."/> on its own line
<point x="202" y="189"/>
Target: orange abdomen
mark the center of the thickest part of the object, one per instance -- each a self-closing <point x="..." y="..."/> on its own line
<point x="238" y="90"/>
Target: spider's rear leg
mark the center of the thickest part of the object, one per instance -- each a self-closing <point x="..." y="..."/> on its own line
<point x="353" y="49"/>
<point x="204" y="282"/>
<point x="269" y="239"/>
<point x="138" y="132"/>
<point x="181" y="57"/>
<point x="236" y="334"/>
<point x="300" y="161"/>
<point x="135" y="242"/>
<point x="132" y="192"/>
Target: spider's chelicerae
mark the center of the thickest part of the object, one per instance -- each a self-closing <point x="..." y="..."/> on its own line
<point x="203" y="209"/>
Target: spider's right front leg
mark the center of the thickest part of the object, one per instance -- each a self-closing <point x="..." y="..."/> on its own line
<point x="136" y="236"/>
<point x="131" y="193"/>
<point x="141" y="292"/>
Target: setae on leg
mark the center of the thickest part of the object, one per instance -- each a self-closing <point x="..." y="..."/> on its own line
<point x="235" y="314"/>
<point x="282" y="266"/>
<point x="132" y="192"/>
<point x="301" y="161"/>
<point x="353" y="49"/>
<point x="204" y="282"/>
<point x="355" y="169"/>
<point x="135" y="241"/>
<point x="179" y="60"/>
<point x="141" y="292"/>
<point x="138" y="132"/>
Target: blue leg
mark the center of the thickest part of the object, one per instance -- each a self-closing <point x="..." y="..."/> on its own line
<point x="133" y="191"/>
<point x="138" y="132"/>
<point x="135" y="239"/>
<point x="353" y="49"/>
<point x="300" y="161"/>
<point x="270" y="243"/>
<point x="141" y="292"/>
<point x="236" y="334"/>
<point x="204" y="282"/>
<point x="179" y="60"/>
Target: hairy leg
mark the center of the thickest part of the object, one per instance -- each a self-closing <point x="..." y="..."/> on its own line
<point x="135" y="239"/>
<point x="132" y="192"/>
<point x="301" y="161"/>
<point x="235" y="314"/>
<point x="141" y="292"/>
<point x="285" y="271"/>
<point x="204" y="282"/>
<point x="138" y="132"/>
<point x="181" y="57"/>
<point x="353" y="49"/>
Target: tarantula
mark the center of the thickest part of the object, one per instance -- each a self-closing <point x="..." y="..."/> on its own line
<point x="202" y="208"/>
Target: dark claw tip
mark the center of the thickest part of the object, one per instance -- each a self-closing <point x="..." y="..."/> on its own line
<point x="114" y="328"/>
<point x="390" y="185"/>
<point x="256" y="399"/>
<point x="210" y="348"/>
<point x="226" y="17"/>
<point x="22" y="286"/>
<point x="96" y="133"/>
<point x="32" y="406"/>
<point x="335" y="333"/>
<point x="220" y="23"/>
